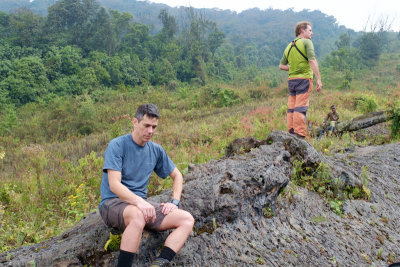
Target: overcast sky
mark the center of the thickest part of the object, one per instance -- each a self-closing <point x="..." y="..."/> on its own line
<point x="353" y="14"/>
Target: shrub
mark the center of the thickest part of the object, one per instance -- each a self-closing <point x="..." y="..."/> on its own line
<point x="395" y="125"/>
<point x="216" y="96"/>
<point x="319" y="179"/>
<point x="366" y="103"/>
<point x="227" y="98"/>
<point x="346" y="83"/>
<point x="258" y="93"/>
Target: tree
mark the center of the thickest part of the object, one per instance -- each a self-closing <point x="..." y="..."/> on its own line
<point x="372" y="43"/>
<point x="370" y="48"/>
<point x="102" y="37"/>
<point x="196" y="43"/>
<point x="71" y="19"/>
<point x="120" y="24"/>
<point x="113" y="67"/>
<point x="53" y="63"/>
<point x="27" y="80"/>
<point x="136" y="41"/>
<point x="70" y="59"/>
<point x="266" y="57"/>
<point x="163" y="72"/>
<point x="343" y="42"/>
<point x="97" y="60"/>
<point x="171" y="52"/>
<point x="88" y="80"/>
<point x="133" y="71"/>
<point x="215" y="40"/>
<point x="26" y="28"/>
<point x="169" y="26"/>
<point x="5" y="68"/>
<point x="4" y="24"/>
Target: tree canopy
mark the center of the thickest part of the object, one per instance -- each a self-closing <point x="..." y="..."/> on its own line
<point x="82" y="46"/>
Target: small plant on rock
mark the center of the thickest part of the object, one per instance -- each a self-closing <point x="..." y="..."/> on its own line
<point x="268" y="213"/>
<point x="113" y="243"/>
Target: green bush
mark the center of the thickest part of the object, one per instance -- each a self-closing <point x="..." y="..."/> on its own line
<point x="227" y="98"/>
<point x="395" y="125"/>
<point x="216" y="97"/>
<point x="366" y="103"/>
<point x="347" y="79"/>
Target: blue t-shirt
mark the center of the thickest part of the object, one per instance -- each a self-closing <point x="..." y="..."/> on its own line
<point x="136" y="163"/>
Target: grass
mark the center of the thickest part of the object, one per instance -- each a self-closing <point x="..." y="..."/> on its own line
<point x="43" y="193"/>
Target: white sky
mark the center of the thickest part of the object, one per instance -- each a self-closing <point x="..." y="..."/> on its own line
<point x="353" y="14"/>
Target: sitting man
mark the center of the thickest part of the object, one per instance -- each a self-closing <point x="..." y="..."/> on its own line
<point x="332" y="118"/>
<point x="129" y="161"/>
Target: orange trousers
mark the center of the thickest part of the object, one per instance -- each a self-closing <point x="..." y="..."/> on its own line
<point x="299" y="98"/>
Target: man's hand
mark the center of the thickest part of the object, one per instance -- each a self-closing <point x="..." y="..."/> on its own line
<point x="319" y="85"/>
<point x="148" y="211"/>
<point x="167" y="208"/>
<point x="284" y="67"/>
<point x="315" y="68"/>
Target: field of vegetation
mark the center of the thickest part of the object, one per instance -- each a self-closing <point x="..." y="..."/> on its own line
<point x="52" y="142"/>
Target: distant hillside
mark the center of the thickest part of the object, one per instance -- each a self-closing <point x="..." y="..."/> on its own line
<point x="270" y="28"/>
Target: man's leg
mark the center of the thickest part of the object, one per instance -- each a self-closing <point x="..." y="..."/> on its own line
<point x="303" y="92"/>
<point x="134" y="222"/>
<point x="183" y="223"/>
<point x="119" y="214"/>
<point x="291" y="105"/>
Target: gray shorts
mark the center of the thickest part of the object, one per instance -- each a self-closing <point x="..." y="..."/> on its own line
<point x="112" y="214"/>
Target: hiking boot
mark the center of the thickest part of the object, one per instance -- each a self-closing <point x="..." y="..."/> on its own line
<point x="299" y="136"/>
<point x="160" y="262"/>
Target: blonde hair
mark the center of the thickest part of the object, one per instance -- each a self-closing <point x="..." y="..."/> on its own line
<point x="301" y="25"/>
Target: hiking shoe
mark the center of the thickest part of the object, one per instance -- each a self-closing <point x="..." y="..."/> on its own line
<point x="160" y="262"/>
<point x="299" y="136"/>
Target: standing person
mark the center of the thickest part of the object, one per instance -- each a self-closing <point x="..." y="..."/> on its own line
<point x="299" y="60"/>
<point x="129" y="161"/>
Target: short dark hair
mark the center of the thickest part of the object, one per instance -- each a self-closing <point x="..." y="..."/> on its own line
<point x="301" y="25"/>
<point x="149" y="109"/>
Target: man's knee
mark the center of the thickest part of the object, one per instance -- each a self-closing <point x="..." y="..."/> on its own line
<point x="133" y="217"/>
<point x="187" y="219"/>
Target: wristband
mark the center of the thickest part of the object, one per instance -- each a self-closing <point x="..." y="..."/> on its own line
<point x="175" y="202"/>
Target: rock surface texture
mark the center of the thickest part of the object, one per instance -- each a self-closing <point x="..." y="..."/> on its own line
<point x="243" y="220"/>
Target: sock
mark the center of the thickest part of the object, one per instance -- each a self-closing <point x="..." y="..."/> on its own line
<point x="167" y="253"/>
<point x="125" y="258"/>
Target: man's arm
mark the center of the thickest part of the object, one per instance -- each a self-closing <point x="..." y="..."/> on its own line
<point x="315" y="68"/>
<point x="284" y="63"/>
<point x="114" y="181"/>
<point x="326" y="118"/>
<point x="177" y="177"/>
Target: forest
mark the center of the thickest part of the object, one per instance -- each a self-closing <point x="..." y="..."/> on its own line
<point x="73" y="71"/>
